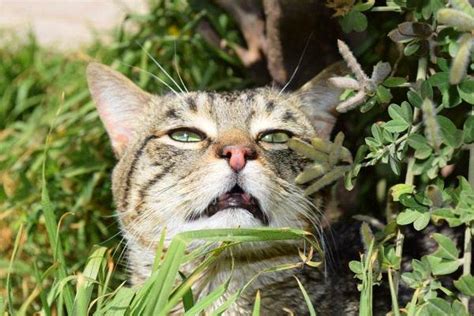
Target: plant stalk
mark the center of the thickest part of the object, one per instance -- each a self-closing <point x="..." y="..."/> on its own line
<point x="393" y="294"/>
<point x="409" y="179"/>
<point x="467" y="256"/>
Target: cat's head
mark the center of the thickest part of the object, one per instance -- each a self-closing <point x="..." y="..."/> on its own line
<point x="200" y="160"/>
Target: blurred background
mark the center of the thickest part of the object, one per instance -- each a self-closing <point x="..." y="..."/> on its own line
<point x="66" y="24"/>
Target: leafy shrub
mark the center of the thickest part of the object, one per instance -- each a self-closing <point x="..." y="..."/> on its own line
<point x="413" y="133"/>
<point x="422" y="133"/>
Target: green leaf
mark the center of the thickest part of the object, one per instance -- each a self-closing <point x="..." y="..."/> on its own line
<point x="450" y="96"/>
<point x="465" y="284"/>
<point x="394" y="164"/>
<point x="418" y="142"/>
<point x="440" y="266"/>
<point x="446" y="215"/>
<point x="383" y="94"/>
<point x="466" y="90"/>
<point x="422" y="267"/>
<point x="395" y="126"/>
<point x="377" y="133"/>
<point x="402" y="113"/>
<point x="469" y="130"/>
<point x="411" y="279"/>
<point x="415" y="99"/>
<point x="392" y="82"/>
<point x="426" y="90"/>
<point x="411" y="48"/>
<point x="459" y="309"/>
<point x="399" y="189"/>
<point x="356" y="267"/>
<point x="367" y="106"/>
<point x="422" y="221"/>
<point x="438" y="307"/>
<point x="390" y="259"/>
<point x="446" y="247"/>
<point x="354" y="21"/>
<point x="408" y="216"/>
<point x="439" y="79"/>
<point x="450" y="134"/>
<point x="409" y="201"/>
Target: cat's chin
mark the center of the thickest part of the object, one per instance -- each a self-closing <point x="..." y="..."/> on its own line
<point x="227" y="218"/>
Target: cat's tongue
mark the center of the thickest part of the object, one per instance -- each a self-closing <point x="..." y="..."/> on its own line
<point x="237" y="198"/>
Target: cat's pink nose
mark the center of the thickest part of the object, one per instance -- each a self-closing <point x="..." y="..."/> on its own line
<point x="237" y="155"/>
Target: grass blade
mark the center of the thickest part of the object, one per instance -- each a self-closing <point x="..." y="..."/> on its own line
<point x="166" y="277"/>
<point x="86" y="281"/>
<point x="53" y="236"/>
<point x="10" y="267"/>
<point x="52" y="231"/>
<point x="119" y="306"/>
<point x="256" y="306"/>
<point x="208" y="300"/>
<point x="2" y="305"/>
<point x="188" y="297"/>
<point x="311" y="310"/>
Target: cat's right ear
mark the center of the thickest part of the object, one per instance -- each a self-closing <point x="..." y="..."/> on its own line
<point x="320" y="99"/>
<point x="119" y="101"/>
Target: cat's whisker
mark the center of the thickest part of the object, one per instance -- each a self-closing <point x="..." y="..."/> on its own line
<point x="297" y="66"/>
<point x="161" y="68"/>
<point x="155" y="77"/>
<point x="176" y="67"/>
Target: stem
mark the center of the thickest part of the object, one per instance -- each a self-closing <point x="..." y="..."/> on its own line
<point x="414" y="299"/>
<point x="466" y="268"/>
<point x="366" y="295"/>
<point x="393" y="293"/>
<point x="467" y="257"/>
<point x="385" y="9"/>
<point x="409" y="178"/>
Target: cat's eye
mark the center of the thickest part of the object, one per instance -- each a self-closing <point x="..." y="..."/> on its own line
<point x="186" y="136"/>
<point x="275" y="137"/>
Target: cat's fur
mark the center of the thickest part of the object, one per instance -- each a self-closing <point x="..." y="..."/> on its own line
<point x="159" y="182"/>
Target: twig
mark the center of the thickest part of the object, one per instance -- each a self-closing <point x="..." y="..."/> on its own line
<point x="409" y="178"/>
<point x="362" y="84"/>
<point x="467" y="256"/>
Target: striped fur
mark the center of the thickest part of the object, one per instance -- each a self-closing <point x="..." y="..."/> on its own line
<point x="159" y="182"/>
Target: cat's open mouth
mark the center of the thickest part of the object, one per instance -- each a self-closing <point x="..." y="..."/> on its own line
<point x="237" y="198"/>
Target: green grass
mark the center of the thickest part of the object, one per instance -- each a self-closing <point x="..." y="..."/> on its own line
<point x="67" y="208"/>
<point x="61" y="252"/>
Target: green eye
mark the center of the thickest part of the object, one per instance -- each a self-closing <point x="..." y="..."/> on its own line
<point x="186" y="136"/>
<point x="275" y="137"/>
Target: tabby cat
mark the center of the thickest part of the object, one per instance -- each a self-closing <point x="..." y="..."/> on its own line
<point x="189" y="161"/>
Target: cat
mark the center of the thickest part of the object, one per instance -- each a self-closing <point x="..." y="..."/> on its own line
<point x="198" y="160"/>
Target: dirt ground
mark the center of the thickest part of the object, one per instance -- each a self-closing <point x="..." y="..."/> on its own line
<point x="65" y="24"/>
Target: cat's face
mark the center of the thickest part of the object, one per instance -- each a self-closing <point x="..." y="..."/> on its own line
<point x="205" y="160"/>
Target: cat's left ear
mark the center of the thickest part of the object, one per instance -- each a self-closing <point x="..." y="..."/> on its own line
<point x="120" y="103"/>
<point x="320" y="98"/>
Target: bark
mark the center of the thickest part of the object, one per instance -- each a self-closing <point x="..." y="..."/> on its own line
<point x="284" y="38"/>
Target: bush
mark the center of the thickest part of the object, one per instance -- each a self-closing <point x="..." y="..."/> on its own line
<point x="412" y="137"/>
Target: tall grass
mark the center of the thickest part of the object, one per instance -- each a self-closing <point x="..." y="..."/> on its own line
<point x="66" y="208"/>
